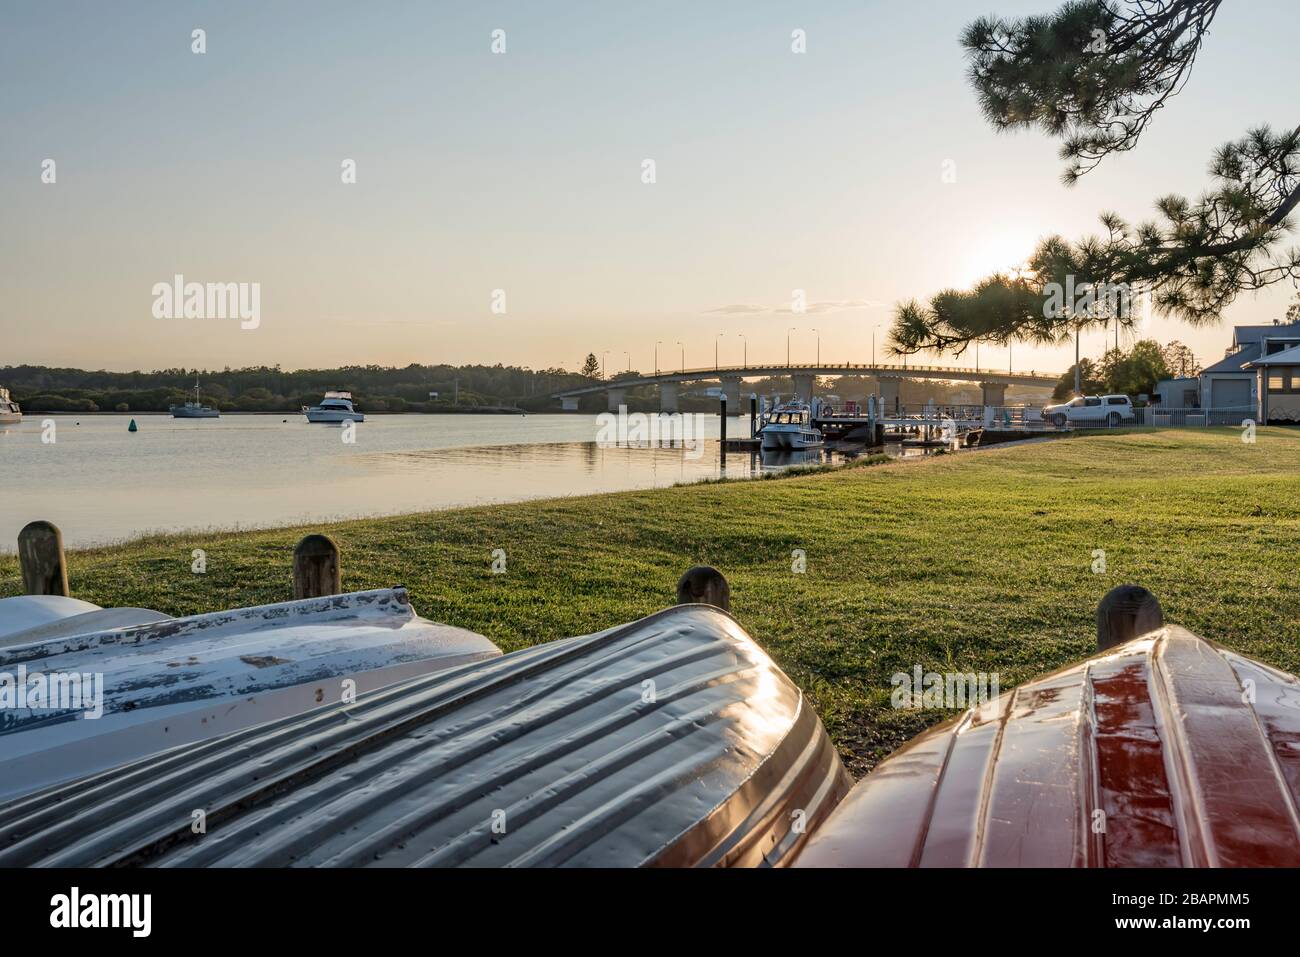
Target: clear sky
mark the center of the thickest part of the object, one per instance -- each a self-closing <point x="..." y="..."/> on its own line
<point x="523" y="172"/>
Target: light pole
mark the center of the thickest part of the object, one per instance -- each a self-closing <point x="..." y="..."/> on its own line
<point x="658" y="343"/>
<point x="628" y="356"/>
<point x="819" y="346"/>
<point x="787" y="346"/>
<point x="603" y="356"/>
<point x="683" y="356"/>
<point x="715" y="350"/>
<point x="745" y="344"/>
<point x="977" y="357"/>
<point x="1078" y="388"/>
<point x="873" y="346"/>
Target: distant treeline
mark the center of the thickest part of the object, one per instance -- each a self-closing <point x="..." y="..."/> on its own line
<point x="272" y="389"/>
<point x="381" y="389"/>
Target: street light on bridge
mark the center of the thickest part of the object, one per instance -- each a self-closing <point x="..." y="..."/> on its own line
<point x="819" y="346"/>
<point x="787" y="346"/>
<point x="745" y="343"/>
<point x="658" y="343"/>
<point x="683" y="356"/>
<point x="715" y="350"/>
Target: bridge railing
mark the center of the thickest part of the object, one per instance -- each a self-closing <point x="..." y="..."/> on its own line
<point x="824" y="368"/>
<point x="765" y="368"/>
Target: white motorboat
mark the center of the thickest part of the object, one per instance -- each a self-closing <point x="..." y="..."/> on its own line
<point x="10" y="414"/>
<point x="789" y="426"/>
<point x="335" y="407"/>
<point x="195" y="409"/>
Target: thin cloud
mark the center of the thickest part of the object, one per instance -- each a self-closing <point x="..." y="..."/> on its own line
<point x="822" y="306"/>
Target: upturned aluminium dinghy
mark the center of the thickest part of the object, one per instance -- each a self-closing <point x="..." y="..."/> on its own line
<point x="673" y="740"/>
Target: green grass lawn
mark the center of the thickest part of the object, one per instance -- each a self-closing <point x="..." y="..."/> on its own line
<point x="970" y="562"/>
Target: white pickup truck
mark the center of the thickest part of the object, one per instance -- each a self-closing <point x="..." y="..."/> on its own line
<point x="1091" y="410"/>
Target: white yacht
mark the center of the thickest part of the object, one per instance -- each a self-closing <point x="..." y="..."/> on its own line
<point x="195" y="409"/>
<point x="10" y="414"/>
<point x="335" y="407"/>
<point x="789" y="426"/>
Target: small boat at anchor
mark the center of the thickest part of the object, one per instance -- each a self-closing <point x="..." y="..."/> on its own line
<point x="10" y="414"/>
<point x="195" y="409"/>
<point x="335" y="407"/>
<point x="789" y="426"/>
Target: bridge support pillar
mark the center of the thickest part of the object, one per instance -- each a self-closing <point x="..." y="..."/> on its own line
<point x="569" y="403"/>
<point x="890" y="396"/>
<point x="731" y="387"/>
<point x="995" y="393"/>
<point x="616" y="398"/>
<point x="803" y="386"/>
<point x="668" y="397"/>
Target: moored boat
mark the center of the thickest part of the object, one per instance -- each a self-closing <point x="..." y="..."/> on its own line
<point x="334" y="407"/>
<point x="10" y="414"/>
<point x="789" y="427"/>
<point x="195" y="409"/>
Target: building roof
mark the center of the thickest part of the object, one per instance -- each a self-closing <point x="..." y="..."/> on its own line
<point x="1237" y="362"/>
<point x="1243" y="335"/>
<point x="1287" y="357"/>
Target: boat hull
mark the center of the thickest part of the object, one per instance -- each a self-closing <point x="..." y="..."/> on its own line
<point x="175" y="681"/>
<point x="1165" y="751"/>
<point x="670" y="741"/>
<point x="776" y="437"/>
<point x="182" y="413"/>
<point x="332" y="415"/>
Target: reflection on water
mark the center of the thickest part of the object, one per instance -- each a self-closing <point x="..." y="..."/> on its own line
<point x="100" y="483"/>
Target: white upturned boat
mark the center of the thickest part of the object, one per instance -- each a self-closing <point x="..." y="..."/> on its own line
<point x="789" y="427"/>
<point x="84" y="688"/>
<point x="10" y="414"/>
<point x="335" y="407"/>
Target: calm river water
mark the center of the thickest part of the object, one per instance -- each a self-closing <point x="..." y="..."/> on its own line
<point x="100" y="483"/>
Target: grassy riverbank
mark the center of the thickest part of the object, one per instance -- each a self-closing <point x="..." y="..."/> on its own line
<point x="973" y="562"/>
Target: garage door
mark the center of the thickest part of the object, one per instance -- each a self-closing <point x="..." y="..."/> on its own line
<point x="1229" y="393"/>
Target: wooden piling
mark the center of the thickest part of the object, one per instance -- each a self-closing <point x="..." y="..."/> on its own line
<point x="704" y="584"/>
<point x="317" y="571"/>
<point x="40" y="555"/>
<point x="1127" y="612"/>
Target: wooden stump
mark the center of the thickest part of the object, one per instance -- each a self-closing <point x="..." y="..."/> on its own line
<point x="317" y="571"/>
<point x="40" y="554"/>
<point x="1126" y="613"/>
<point x="704" y="584"/>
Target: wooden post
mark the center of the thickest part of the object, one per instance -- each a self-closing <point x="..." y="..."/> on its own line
<point x="40" y="554"/>
<point x="1127" y="612"/>
<point x="317" y="571"/>
<point x="704" y="584"/>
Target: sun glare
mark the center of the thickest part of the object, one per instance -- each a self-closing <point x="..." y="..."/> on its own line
<point x="1004" y="252"/>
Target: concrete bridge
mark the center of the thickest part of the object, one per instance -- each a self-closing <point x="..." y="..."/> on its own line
<point x="732" y="380"/>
